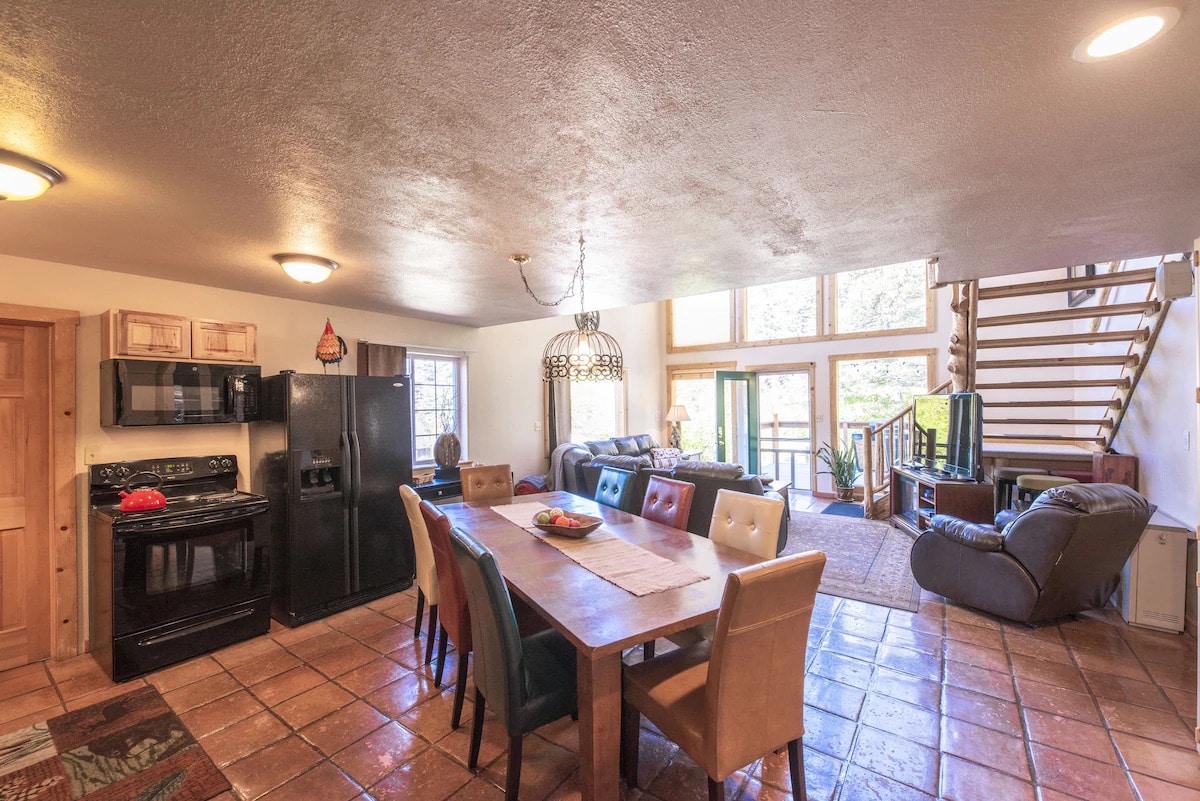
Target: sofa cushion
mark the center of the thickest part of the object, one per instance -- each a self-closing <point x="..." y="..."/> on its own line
<point x="602" y="447"/>
<point x="627" y="446"/>
<point x="645" y="443"/>
<point x="708" y="469"/>
<point x="630" y="463"/>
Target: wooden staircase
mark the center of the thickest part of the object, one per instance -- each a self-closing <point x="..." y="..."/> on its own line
<point x="1057" y="375"/>
<point x="1050" y="374"/>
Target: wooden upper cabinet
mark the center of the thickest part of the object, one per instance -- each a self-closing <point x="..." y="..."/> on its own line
<point x="145" y="335"/>
<point x="226" y="342"/>
<point x="161" y="336"/>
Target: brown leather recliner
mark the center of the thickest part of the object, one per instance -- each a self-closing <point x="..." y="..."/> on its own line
<point x="1062" y="555"/>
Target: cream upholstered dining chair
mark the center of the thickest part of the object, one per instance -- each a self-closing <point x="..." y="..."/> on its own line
<point x="747" y="522"/>
<point x="720" y="700"/>
<point x="487" y="482"/>
<point x="427" y="580"/>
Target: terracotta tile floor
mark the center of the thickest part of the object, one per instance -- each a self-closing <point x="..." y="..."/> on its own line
<point x="943" y="703"/>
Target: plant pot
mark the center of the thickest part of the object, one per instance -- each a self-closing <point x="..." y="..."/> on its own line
<point x="845" y="494"/>
<point x="447" y="450"/>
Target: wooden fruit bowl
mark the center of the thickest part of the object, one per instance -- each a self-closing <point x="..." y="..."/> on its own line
<point x="588" y="524"/>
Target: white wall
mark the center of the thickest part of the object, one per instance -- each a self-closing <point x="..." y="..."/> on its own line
<point x="1160" y="426"/>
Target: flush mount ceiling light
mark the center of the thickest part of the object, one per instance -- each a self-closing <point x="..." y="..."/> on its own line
<point x="1126" y="33"/>
<point x="305" y="269"/>
<point x="585" y="354"/>
<point x="23" y="178"/>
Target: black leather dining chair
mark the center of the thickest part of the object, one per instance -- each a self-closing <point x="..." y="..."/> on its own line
<point x="615" y="488"/>
<point x="526" y="681"/>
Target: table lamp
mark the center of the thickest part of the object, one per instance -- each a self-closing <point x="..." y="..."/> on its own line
<point x="675" y="415"/>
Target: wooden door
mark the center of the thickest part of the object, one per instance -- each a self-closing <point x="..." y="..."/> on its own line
<point x="26" y="596"/>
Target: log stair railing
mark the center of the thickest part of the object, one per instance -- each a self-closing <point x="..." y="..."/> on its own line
<point x="886" y="445"/>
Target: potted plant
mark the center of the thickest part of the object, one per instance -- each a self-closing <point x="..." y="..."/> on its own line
<point x="843" y="466"/>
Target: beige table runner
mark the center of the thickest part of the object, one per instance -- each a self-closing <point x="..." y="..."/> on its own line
<point x="630" y="567"/>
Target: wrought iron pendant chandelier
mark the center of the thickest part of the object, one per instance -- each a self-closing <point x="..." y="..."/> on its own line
<point x="585" y="354"/>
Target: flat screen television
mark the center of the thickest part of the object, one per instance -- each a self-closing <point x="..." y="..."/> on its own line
<point x="948" y="434"/>
<point x="964" y="445"/>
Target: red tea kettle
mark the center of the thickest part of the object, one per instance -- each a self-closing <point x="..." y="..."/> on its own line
<point x="142" y="499"/>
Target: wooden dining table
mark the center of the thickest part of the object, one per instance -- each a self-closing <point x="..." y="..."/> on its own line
<point x="599" y="618"/>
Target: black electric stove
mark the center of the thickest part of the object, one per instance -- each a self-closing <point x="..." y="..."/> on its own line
<point x="171" y="583"/>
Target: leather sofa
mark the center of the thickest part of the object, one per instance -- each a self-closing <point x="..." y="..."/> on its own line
<point x="709" y="477"/>
<point x="1060" y="556"/>
<point x="582" y="466"/>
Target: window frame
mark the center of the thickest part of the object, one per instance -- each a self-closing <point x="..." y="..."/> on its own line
<point x="826" y="318"/>
<point x="459" y="360"/>
<point x="700" y="370"/>
<point x="731" y="342"/>
<point x="930" y="312"/>
<point x="930" y="355"/>
<point x="621" y="398"/>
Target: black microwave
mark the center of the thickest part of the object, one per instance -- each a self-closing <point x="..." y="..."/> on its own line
<point x="135" y="392"/>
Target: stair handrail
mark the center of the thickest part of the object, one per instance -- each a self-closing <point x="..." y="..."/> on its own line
<point x="884" y="447"/>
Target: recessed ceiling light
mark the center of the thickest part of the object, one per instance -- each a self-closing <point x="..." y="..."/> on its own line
<point x="23" y="178"/>
<point x="305" y="269"/>
<point x="1126" y="33"/>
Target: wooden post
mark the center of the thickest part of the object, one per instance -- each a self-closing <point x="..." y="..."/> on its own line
<point x="972" y="332"/>
<point x="959" y="363"/>
<point x="868" y="471"/>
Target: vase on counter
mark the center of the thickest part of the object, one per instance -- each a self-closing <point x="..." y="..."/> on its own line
<point x="447" y="450"/>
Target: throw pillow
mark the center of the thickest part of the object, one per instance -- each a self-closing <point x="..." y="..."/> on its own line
<point x="627" y="446"/>
<point x="665" y="457"/>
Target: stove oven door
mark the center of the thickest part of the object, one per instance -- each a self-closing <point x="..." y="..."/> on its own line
<point x="172" y="571"/>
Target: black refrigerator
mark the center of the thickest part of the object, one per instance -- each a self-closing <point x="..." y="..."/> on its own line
<point x="330" y="452"/>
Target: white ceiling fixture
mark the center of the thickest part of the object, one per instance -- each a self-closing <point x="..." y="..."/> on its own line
<point x="306" y="269"/>
<point x="23" y="178"/>
<point x="1132" y="30"/>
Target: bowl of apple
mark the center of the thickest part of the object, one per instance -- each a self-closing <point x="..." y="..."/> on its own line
<point x="566" y="524"/>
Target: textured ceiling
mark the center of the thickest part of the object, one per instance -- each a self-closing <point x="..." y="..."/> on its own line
<point x="699" y="145"/>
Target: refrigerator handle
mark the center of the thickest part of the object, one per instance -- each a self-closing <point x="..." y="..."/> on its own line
<point x="356" y="464"/>
<point x="349" y="485"/>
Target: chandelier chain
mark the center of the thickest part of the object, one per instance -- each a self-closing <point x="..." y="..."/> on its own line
<point x="577" y="276"/>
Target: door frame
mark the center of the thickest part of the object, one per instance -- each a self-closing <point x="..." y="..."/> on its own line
<point x="64" y="524"/>
<point x="811" y="369"/>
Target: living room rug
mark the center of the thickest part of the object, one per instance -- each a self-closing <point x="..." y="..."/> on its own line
<point x="128" y="748"/>
<point x="866" y="560"/>
<point x="843" y="509"/>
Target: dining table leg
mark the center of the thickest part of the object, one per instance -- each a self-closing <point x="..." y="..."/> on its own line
<point x="599" y="685"/>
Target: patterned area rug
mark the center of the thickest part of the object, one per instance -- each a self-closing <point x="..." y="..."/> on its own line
<point x="867" y="560"/>
<point x="129" y="748"/>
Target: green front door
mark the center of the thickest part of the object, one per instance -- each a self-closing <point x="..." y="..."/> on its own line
<point x="737" y="419"/>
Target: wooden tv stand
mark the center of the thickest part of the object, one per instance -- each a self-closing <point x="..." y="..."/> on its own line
<point x="917" y="496"/>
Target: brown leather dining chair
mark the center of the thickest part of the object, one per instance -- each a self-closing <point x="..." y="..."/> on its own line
<point x="720" y="700"/>
<point x="487" y="482"/>
<point x="427" y="578"/>
<point x="456" y="619"/>
<point x="668" y="501"/>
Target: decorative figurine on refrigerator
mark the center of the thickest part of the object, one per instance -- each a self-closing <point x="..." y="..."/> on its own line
<point x="330" y="348"/>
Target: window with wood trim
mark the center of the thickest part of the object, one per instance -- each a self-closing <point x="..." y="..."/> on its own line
<point x="869" y="387"/>
<point x="893" y="299"/>
<point x="701" y="321"/>
<point x="694" y="387"/>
